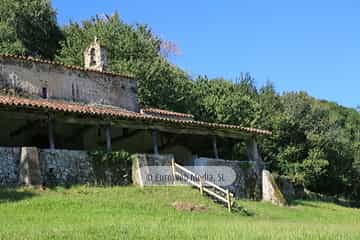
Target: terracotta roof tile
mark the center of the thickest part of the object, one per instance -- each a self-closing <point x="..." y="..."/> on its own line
<point x="165" y="112"/>
<point x="71" y="67"/>
<point x="97" y="111"/>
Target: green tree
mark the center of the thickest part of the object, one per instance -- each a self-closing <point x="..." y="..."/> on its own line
<point x="223" y="101"/>
<point x="133" y="49"/>
<point x="29" y="28"/>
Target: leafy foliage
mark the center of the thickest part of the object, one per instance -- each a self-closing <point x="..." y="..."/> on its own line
<point x="132" y="49"/>
<point x="111" y="168"/>
<point x="28" y="28"/>
<point x="223" y="101"/>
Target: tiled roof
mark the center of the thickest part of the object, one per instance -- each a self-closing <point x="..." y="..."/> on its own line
<point x="165" y="112"/>
<point x="71" y="67"/>
<point x="97" y="111"/>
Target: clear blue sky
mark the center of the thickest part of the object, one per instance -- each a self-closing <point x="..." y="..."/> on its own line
<point x="311" y="45"/>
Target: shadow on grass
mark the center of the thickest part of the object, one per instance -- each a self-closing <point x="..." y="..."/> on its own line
<point x="14" y="195"/>
<point x="309" y="202"/>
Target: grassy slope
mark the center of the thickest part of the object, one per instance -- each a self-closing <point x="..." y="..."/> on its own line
<point x="129" y="212"/>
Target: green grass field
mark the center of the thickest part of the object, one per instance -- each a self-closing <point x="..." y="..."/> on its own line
<point x="132" y="213"/>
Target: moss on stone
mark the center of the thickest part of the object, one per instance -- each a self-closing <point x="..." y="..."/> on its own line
<point x="279" y="197"/>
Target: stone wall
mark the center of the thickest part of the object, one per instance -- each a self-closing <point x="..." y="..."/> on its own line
<point x="65" y="167"/>
<point x="147" y="168"/>
<point x="9" y="161"/>
<point x="55" y="167"/>
<point x="289" y="189"/>
<point x="33" y="166"/>
<point x="247" y="183"/>
<point x="31" y="79"/>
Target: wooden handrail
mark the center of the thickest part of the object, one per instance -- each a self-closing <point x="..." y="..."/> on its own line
<point x="186" y="170"/>
<point x="202" y="185"/>
<point x="215" y="195"/>
<point x="217" y="187"/>
<point x="187" y="179"/>
<point x="205" y="182"/>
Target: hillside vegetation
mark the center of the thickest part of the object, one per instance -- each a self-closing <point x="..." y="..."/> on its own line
<point x="134" y="213"/>
<point x="315" y="143"/>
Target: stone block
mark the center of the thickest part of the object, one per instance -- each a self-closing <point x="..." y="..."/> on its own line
<point x="144" y="165"/>
<point x="29" y="167"/>
<point x="271" y="191"/>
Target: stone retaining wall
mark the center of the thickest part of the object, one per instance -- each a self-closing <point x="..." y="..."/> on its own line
<point x="9" y="161"/>
<point x="54" y="167"/>
<point x="248" y="178"/>
<point x="246" y="184"/>
<point x="65" y="167"/>
<point x="146" y="168"/>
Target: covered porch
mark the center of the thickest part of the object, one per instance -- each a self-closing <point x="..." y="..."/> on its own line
<point x="63" y="125"/>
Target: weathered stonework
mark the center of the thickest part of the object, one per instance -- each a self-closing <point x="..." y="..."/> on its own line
<point x="247" y="183"/>
<point x="65" y="167"/>
<point x="95" y="56"/>
<point x="289" y="189"/>
<point x="143" y="165"/>
<point x="9" y="161"/>
<point x="271" y="191"/>
<point x="33" y="166"/>
<point x="34" y="79"/>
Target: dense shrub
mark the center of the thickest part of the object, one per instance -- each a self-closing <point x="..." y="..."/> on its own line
<point x="111" y="168"/>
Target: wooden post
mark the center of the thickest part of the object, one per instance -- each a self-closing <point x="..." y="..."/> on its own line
<point x="216" y="154"/>
<point x="51" y="132"/>
<point x="228" y="198"/>
<point x="201" y="185"/>
<point x="173" y="170"/>
<point x="108" y="138"/>
<point x="155" y="142"/>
